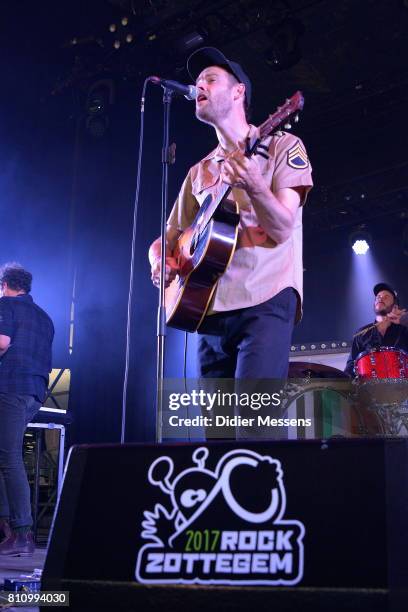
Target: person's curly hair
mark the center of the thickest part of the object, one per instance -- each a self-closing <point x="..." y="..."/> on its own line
<point x="16" y="277"/>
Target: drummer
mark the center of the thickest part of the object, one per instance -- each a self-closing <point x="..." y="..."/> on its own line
<point x="389" y="329"/>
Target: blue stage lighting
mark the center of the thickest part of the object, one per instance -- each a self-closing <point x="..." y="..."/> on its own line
<point x="360" y="241"/>
<point x="360" y="247"/>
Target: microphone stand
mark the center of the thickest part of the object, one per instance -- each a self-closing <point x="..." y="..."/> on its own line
<point x="168" y="157"/>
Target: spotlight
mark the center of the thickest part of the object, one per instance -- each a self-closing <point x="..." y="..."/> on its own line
<point x="285" y="50"/>
<point x="360" y="241"/>
<point x="100" y="98"/>
<point x="360" y="247"/>
<point x="96" y="103"/>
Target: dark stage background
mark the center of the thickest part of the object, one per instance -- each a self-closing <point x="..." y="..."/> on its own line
<point x="67" y="194"/>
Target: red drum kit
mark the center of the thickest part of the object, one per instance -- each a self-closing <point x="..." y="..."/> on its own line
<point x="378" y="395"/>
<point x="382" y="384"/>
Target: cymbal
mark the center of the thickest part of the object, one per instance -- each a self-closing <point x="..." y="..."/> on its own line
<point x="304" y="369"/>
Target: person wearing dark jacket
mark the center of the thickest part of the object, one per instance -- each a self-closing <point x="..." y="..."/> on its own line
<point x="26" y="335"/>
<point x="390" y="328"/>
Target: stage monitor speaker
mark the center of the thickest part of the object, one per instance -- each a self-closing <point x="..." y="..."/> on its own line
<point x="299" y="525"/>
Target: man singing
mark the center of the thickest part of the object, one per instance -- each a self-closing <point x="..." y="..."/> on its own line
<point x="247" y="331"/>
<point x="26" y="335"/>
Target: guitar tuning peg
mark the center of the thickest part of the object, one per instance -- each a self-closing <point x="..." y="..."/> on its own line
<point x="279" y="133"/>
<point x="296" y="118"/>
<point x="287" y="126"/>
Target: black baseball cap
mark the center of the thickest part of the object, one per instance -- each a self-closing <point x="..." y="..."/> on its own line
<point x="384" y="287"/>
<point x="210" y="56"/>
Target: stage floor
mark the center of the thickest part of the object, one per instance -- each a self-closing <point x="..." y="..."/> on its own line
<point x="13" y="567"/>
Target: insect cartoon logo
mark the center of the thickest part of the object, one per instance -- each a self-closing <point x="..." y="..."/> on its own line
<point x="221" y="527"/>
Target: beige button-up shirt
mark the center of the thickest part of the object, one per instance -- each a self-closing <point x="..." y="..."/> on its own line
<point x="260" y="268"/>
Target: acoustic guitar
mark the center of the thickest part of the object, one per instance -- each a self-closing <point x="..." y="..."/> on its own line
<point x="205" y="249"/>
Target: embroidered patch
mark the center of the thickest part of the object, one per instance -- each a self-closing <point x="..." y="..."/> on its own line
<point x="297" y="157"/>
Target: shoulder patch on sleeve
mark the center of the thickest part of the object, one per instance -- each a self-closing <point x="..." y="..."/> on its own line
<point x="297" y="157"/>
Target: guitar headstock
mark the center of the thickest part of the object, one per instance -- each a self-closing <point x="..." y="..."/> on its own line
<point x="283" y="115"/>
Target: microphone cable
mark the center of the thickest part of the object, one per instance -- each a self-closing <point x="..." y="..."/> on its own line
<point x="132" y="262"/>
<point x="185" y="371"/>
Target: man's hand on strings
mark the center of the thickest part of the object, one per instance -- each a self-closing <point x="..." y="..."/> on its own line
<point x="243" y="172"/>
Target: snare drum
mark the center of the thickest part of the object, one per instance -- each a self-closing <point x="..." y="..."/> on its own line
<point x="382" y="375"/>
<point x="383" y="362"/>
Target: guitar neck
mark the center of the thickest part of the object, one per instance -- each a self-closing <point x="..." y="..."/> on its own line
<point x="267" y="128"/>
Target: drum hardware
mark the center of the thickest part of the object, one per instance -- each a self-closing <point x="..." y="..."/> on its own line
<point x="381" y="384"/>
<point x="376" y="396"/>
<point x="382" y="379"/>
<point x="391" y="418"/>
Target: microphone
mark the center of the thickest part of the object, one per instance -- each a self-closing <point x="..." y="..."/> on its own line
<point x="188" y="91"/>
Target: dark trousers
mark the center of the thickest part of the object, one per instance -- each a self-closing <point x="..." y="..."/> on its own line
<point x="249" y="343"/>
<point x="16" y="411"/>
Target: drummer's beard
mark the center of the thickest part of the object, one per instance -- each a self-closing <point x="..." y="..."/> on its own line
<point x="381" y="310"/>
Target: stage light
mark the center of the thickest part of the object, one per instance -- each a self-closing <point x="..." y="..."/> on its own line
<point x="129" y="38"/>
<point x="360" y="247"/>
<point x="285" y="50"/>
<point x="100" y="98"/>
<point x="125" y="21"/>
<point x="112" y="27"/>
<point x="360" y="240"/>
<point x="96" y="103"/>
